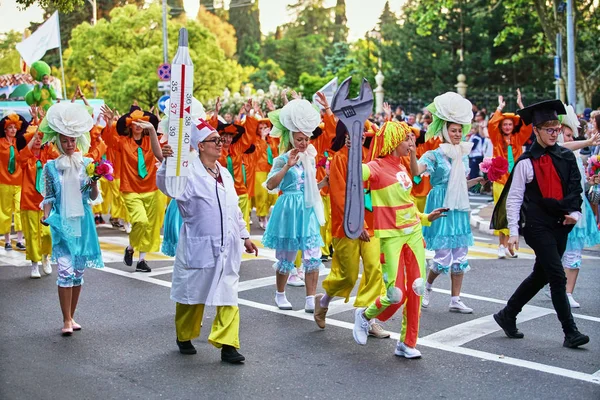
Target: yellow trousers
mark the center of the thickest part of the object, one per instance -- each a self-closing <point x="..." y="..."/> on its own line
<point x="37" y="236"/>
<point x="420" y="203"/>
<point x="10" y="203"/>
<point x="225" y="328"/>
<point x="116" y="202"/>
<point x="326" y="229"/>
<point x="497" y="189"/>
<point x="146" y="215"/>
<point x="345" y="266"/>
<point x="262" y="199"/>
<point x="244" y="203"/>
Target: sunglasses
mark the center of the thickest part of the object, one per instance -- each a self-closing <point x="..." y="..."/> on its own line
<point x="217" y="141"/>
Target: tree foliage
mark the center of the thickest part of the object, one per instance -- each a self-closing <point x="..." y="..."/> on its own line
<point x="64" y="6"/>
<point x="244" y="16"/>
<point x="122" y="56"/>
<point x="223" y="31"/>
<point x="10" y="60"/>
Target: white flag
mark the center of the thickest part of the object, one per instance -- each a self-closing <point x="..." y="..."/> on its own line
<point x="328" y="90"/>
<point x="45" y="38"/>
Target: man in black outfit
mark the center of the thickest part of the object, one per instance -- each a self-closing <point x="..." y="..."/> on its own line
<point x="542" y="201"/>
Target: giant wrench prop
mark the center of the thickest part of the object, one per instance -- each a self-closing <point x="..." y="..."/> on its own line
<point x="353" y="113"/>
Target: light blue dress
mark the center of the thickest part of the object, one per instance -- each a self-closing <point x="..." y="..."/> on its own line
<point x="454" y="230"/>
<point x="292" y="225"/>
<point x="172" y="226"/>
<point x="84" y="251"/>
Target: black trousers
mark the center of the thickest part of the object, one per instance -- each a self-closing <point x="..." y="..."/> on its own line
<point x="549" y="246"/>
<point x="474" y="166"/>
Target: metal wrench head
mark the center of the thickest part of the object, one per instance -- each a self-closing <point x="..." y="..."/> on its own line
<point x="358" y="108"/>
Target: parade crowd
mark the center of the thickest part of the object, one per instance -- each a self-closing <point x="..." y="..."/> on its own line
<point x="65" y="169"/>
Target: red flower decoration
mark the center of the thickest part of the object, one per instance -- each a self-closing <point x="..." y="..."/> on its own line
<point x="498" y="168"/>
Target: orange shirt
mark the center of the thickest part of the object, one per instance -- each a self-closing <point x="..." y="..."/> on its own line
<point x="6" y="178"/>
<point x="262" y="156"/>
<point x="337" y="185"/>
<point x="323" y="144"/>
<point x="30" y="197"/>
<point x="130" y="179"/>
<point x="516" y="140"/>
<point x="236" y="154"/>
<point x="113" y="154"/>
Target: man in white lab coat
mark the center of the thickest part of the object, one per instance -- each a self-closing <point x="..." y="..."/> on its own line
<point x="209" y="252"/>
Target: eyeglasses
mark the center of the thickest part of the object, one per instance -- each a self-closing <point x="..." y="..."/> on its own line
<point x="217" y="141"/>
<point x="552" y="131"/>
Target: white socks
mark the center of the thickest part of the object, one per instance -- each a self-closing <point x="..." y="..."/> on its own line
<point x="428" y="286"/>
<point x="310" y="303"/>
<point x="455" y="299"/>
<point x="142" y="256"/>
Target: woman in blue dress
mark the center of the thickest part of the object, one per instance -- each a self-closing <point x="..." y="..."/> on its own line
<point x="68" y="193"/>
<point x="448" y="166"/>
<point x="298" y="214"/>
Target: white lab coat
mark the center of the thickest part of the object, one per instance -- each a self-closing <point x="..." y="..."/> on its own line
<point x="207" y="263"/>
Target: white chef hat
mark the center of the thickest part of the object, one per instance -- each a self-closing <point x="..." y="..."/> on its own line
<point x="200" y="131"/>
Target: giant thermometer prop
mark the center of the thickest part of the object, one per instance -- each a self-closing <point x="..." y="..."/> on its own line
<point x="180" y="119"/>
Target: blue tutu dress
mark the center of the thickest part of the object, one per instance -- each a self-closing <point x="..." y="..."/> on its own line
<point x="84" y="250"/>
<point x="292" y="226"/>
<point x="585" y="233"/>
<point x="172" y="226"/>
<point x="453" y="231"/>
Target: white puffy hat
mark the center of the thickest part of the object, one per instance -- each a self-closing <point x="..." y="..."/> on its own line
<point x="69" y="119"/>
<point x="300" y="116"/>
<point x="570" y="120"/>
<point x="452" y="107"/>
<point x="200" y="131"/>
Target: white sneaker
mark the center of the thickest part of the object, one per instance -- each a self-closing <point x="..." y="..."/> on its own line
<point x="425" y="301"/>
<point x="46" y="266"/>
<point x="460" y="307"/>
<point x="572" y="301"/>
<point x="282" y="302"/>
<point x="508" y="255"/>
<point x="35" y="272"/>
<point x="295" y="281"/>
<point x="403" y="350"/>
<point x="127" y="227"/>
<point x="361" y="327"/>
<point x="502" y="252"/>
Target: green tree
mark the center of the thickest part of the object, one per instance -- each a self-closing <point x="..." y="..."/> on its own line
<point x="244" y="16"/>
<point x="10" y="60"/>
<point x="341" y="32"/>
<point x="176" y="8"/>
<point x="268" y="71"/>
<point x="122" y="55"/>
<point x="223" y="31"/>
<point x="61" y="5"/>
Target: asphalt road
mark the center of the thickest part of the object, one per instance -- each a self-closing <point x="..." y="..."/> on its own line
<point x="127" y="348"/>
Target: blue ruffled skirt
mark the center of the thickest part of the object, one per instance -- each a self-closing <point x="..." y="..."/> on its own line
<point x="449" y="232"/>
<point x="172" y="226"/>
<point x="588" y="236"/>
<point x="292" y="226"/>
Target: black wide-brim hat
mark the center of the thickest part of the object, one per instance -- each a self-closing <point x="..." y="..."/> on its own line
<point x="231" y="129"/>
<point x="122" y="122"/>
<point x="541" y="112"/>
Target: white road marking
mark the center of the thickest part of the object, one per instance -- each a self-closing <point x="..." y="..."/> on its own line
<point x="460" y="334"/>
<point x="482" y="238"/>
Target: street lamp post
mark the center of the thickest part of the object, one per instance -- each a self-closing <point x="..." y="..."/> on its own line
<point x="379" y="78"/>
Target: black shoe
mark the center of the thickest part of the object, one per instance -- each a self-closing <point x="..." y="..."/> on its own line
<point x="324" y="258"/>
<point x="20" y="246"/>
<point x="574" y="340"/>
<point x="128" y="257"/>
<point x="186" y="347"/>
<point x="230" y="354"/>
<point x="97" y="220"/>
<point x="7" y="246"/>
<point x="101" y="220"/>
<point x="509" y="326"/>
<point x="142" y="266"/>
<point x="115" y="222"/>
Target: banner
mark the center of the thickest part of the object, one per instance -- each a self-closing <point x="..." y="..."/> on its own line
<point x="45" y="38"/>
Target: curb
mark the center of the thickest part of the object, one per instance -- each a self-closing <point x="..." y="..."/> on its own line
<point x="478" y="223"/>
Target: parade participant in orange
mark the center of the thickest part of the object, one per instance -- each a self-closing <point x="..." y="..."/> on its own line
<point x="266" y="152"/>
<point x="12" y="128"/>
<point x="345" y="264"/>
<point x="32" y="160"/>
<point x="145" y="203"/>
<point x="238" y="140"/>
<point x="508" y="135"/>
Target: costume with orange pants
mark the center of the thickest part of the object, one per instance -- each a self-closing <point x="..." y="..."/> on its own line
<point x="39" y="241"/>
<point x="398" y="224"/>
<point x="345" y="264"/>
<point x="509" y="148"/>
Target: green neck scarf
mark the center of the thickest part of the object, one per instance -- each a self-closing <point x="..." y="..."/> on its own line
<point x="12" y="162"/>
<point x="511" y="158"/>
<point x="38" y="176"/>
<point x="142" y="171"/>
<point x="269" y="155"/>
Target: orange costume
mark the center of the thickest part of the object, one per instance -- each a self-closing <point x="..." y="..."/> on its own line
<point x="39" y="241"/>
<point x="112" y="199"/>
<point x="502" y="144"/>
<point x="265" y="153"/>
